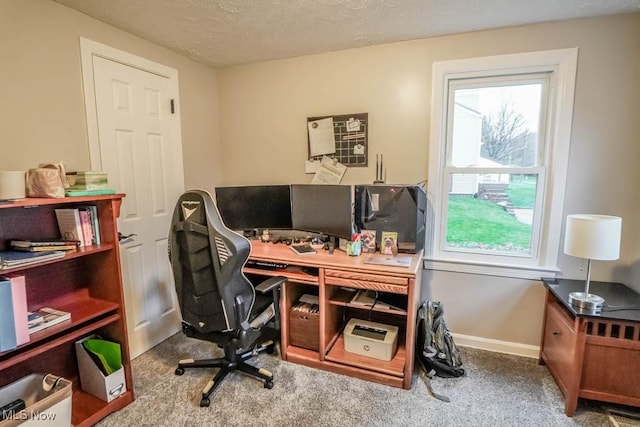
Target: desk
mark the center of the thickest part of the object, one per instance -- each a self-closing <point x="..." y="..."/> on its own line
<point x="592" y="355"/>
<point x="333" y="279"/>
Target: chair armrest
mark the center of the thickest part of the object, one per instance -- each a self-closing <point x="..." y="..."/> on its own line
<point x="270" y="284"/>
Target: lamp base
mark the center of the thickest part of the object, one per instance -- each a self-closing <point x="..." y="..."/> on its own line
<point x="586" y="301"/>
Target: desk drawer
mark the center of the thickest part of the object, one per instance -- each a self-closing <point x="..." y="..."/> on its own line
<point x="378" y="282"/>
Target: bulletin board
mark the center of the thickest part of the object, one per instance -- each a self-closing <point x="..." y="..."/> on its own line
<point x="350" y="138"/>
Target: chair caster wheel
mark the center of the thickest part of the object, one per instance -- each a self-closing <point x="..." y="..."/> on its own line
<point x="270" y="350"/>
<point x="179" y="371"/>
<point x="205" y="402"/>
<point x="268" y="384"/>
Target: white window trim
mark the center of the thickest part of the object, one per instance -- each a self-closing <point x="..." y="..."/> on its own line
<point x="563" y="64"/>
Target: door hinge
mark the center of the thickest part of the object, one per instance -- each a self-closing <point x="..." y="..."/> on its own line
<point x="173" y="107"/>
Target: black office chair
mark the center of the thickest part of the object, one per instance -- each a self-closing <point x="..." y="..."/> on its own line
<point x="218" y="303"/>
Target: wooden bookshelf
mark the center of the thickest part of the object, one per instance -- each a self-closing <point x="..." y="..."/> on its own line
<point x="86" y="283"/>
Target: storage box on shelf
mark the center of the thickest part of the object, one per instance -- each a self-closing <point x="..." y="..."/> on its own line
<point x="304" y="326"/>
<point x="86" y="283"/>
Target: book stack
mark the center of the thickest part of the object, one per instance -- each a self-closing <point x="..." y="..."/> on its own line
<point x="79" y="224"/>
<point x="88" y="183"/>
<point x="45" y="318"/>
<point x="43" y="245"/>
<point x="12" y="259"/>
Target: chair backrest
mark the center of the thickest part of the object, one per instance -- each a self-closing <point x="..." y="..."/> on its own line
<point x="207" y="261"/>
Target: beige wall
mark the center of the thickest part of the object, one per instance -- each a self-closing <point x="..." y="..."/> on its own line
<point x="42" y="115"/>
<point x="260" y="111"/>
<point x="263" y="110"/>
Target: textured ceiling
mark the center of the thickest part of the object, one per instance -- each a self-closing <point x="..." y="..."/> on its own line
<point x="227" y="32"/>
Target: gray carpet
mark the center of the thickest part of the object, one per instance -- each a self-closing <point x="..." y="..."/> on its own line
<point x="497" y="390"/>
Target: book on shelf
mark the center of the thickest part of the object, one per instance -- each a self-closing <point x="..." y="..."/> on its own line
<point x="45" y="318"/>
<point x="92" y="212"/>
<point x="85" y="224"/>
<point x="46" y="248"/>
<point x="43" y="242"/>
<point x="11" y="259"/>
<point x="88" y="180"/>
<point x="70" y="225"/>
<point x="81" y="193"/>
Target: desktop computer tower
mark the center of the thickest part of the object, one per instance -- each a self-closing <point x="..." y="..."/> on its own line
<point x="398" y="208"/>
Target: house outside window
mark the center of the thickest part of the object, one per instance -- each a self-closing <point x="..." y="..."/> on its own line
<point x="498" y="159"/>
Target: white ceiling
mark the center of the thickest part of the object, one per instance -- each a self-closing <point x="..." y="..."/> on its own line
<point x="228" y="32"/>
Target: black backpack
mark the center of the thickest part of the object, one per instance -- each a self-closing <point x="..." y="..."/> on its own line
<point x="435" y="349"/>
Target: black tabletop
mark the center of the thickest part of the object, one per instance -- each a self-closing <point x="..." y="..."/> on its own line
<point x="620" y="301"/>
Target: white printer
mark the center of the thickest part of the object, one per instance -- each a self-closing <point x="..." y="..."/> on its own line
<point x="371" y="339"/>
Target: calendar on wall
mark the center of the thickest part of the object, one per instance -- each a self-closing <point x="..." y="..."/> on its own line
<point x="342" y="137"/>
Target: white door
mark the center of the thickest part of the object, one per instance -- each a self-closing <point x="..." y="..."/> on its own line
<point x="140" y="149"/>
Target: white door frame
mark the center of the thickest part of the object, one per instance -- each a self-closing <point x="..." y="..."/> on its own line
<point x="89" y="49"/>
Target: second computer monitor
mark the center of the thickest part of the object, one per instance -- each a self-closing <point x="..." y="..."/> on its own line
<point x="323" y="209"/>
<point x="257" y="206"/>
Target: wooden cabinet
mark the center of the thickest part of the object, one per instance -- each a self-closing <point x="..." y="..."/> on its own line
<point x="593" y="355"/>
<point x="86" y="282"/>
<point x="335" y="278"/>
<point x="560" y="346"/>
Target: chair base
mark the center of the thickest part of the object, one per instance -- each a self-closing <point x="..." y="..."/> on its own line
<point x="229" y="363"/>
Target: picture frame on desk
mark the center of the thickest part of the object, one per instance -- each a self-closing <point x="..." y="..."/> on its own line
<point x="368" y="238"/>
<point x="389" y="242"/>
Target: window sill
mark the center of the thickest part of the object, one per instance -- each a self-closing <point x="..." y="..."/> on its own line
<point x="487" y="269"/>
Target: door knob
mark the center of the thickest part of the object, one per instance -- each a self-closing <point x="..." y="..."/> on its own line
<point x="122" y="237"/>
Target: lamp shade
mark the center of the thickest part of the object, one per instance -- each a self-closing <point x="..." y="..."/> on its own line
<point x="593" y="236"/>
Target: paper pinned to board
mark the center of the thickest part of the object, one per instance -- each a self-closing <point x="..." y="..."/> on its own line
<point x="330" y="171"/>
<point x="321" y="139"/>
<point x="353" y="125"/>
<point x="311" y="166"/>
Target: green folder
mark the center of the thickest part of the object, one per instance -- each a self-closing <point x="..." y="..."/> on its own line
<point x="105" y="354"/>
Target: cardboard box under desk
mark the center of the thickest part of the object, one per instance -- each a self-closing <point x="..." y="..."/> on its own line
<point x="304" y="329"/>
<point x="93" y="381"/>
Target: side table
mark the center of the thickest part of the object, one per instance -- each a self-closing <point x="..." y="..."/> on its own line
<point x="592" y="354"/>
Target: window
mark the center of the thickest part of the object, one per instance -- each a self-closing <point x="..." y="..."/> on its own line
<point x="498" y="158"/>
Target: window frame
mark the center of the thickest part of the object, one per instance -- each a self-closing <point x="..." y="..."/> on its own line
<point x="561" y="65"/>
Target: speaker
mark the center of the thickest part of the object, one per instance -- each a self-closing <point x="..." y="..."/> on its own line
<point x="399" y="208"/>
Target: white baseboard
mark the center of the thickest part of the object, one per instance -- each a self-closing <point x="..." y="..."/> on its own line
<point x="517" y="349"/>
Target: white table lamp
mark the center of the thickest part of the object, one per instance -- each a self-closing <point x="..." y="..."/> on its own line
<point x="592" y="237"/>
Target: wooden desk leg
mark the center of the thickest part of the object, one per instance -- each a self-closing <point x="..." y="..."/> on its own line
<point x="284" y="322"/>
<point x="570" y="405"/>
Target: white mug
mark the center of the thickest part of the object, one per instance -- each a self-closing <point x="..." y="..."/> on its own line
<point x="12" y="185"/>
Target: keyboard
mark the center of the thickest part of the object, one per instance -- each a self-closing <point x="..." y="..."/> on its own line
<point x="266" y="265"/>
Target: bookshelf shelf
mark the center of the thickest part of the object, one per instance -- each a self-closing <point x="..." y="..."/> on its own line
<point x="86" y="282"/>
<point x="80" y="252"/>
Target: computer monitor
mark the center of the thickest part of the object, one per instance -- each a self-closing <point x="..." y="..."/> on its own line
<point x="325" y="209"/>
<point x="258" y="206"/>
